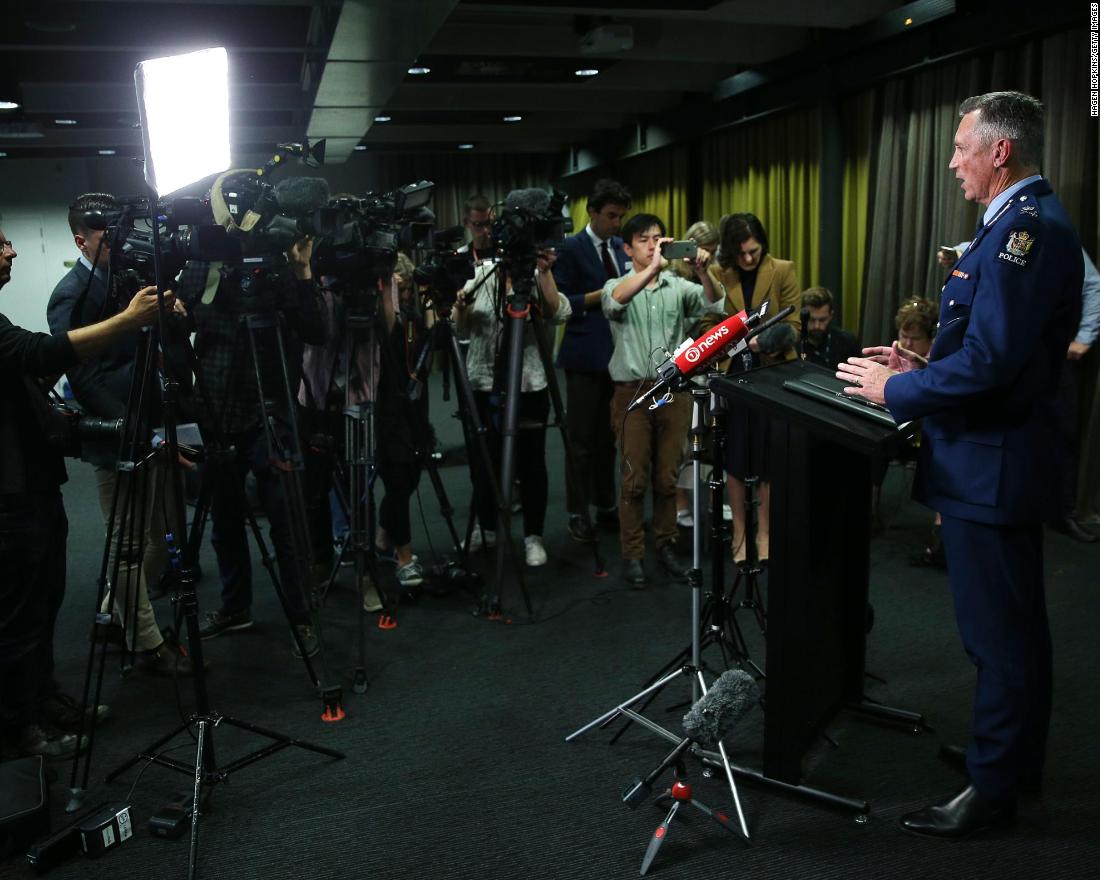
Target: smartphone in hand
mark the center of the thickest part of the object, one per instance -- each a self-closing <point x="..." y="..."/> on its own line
<point x="680" y="250"/>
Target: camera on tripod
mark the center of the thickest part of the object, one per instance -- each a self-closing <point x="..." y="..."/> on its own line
<point x="360" y="237"/>
<point x="444" y="271"/>
<point x="191" y="234"/>
<point x="530" y="223"/>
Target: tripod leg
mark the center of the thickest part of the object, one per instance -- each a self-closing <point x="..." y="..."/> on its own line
<point x="659" y="837"/>
<point x="196" y="801"/>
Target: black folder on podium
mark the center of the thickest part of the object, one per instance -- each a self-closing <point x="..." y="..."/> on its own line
<point x="824" y="457"/>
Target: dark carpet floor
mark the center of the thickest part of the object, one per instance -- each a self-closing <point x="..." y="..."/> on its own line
<point x="456" y="760"/>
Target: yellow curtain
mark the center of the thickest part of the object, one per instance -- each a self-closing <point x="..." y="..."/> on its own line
<point x="857" y="122"/>
<point x="658" y="184"/>
<point x="771" y="168"/>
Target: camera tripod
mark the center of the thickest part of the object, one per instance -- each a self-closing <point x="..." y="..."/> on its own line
<point x="519" y="305"/>
<point x="205" y="770"/>
<point x="257" y="334"/>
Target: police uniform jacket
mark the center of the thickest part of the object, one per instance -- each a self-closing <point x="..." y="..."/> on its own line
<point x="1008" y="312"/>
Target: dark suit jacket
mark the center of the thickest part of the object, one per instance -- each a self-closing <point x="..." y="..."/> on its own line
<point x="101" y="385"/>
<point x="1010" y="307"/>
<point x="579" y="270"/>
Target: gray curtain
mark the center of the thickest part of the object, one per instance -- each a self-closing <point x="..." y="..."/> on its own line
<point x="916" y="204"/>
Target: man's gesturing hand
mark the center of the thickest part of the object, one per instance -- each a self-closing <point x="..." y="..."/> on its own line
<point x="865" y="378"/>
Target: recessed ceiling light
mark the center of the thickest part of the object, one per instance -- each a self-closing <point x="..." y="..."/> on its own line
<point x="64" y="122"/>
<point x="513" y="118"/>
<point x="419" y="71"/>
<point x="586" y="71"/>
<point x="360" y="147"/>
<point x="908" y="22"/>
<point x="465" y="146"/>
<point x="382" y="118"/>
<point x="106" y="152"/>
<point x="3" y="155"/>
<point x="9" y="105"/>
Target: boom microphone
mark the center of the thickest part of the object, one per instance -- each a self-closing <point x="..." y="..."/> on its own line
<point x="299" y="196"/>
<point x="711" y="718"/>
<point x="715" y="713"/>
<point x="533" y="200"/>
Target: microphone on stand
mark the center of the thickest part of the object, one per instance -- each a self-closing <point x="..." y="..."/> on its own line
<point x="712" y="716"/>
<point x="726" y="339"/>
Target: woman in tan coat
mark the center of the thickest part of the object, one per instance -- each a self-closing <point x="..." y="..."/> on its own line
<point x="752" y="276"/>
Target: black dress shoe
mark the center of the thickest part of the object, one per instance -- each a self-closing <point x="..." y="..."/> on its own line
<point x="633" y="573"/>
<point x="1069" y="527"/>
<point x="963" y="814"/>
<point x="666" y="558"/>
<point x="580" y="529"/>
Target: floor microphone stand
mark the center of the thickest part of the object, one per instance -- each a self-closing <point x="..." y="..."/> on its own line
<point x="633" y="707"/>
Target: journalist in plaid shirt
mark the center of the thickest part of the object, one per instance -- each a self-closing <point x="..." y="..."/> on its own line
<point x="228" y="407"/>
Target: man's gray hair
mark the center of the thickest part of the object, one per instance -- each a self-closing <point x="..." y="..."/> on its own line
<point x="1012" y="115"/>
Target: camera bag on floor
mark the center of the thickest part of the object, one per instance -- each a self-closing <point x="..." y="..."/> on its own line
<point x="24" y="804"/>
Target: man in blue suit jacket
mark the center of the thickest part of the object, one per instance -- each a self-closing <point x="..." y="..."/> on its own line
<point x="586" y="261"/>
<point x="990" y="460"/>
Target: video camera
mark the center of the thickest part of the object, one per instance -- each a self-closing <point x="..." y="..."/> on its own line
<point x="359" y="237"/>
<point x="530" y="221"/>
<point x="190" y="234"/>
<point x="444" y="271"/>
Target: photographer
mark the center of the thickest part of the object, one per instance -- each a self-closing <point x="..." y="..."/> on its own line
<point x="483" y="321"/>
<point x="101" y="385"/>
<point x="33" y="526"/>
<point x="218" y="297"/>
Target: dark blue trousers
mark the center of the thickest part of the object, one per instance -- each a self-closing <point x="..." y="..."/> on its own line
<point x="996" y="577"/>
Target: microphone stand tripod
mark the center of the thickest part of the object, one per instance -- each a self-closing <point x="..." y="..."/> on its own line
<point x="632" y="707"/>
<point x="718" y="625"/>
<point x="680" y="793"/>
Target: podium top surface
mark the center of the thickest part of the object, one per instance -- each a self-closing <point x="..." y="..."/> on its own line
<point x="762" y="389"/>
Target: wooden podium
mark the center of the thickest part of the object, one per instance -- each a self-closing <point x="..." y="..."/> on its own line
<point x="822" y="461"/>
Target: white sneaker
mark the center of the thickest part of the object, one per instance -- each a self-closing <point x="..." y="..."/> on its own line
<point x="372" y="600"/>
<point x="534" y="551"/>
<point x="684" y="519"/>
<point x="477" y="542"/>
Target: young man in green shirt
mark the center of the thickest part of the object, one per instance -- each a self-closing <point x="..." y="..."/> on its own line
<point x="650" y="312"/>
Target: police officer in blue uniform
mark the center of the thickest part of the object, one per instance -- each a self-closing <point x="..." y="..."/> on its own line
<point x="989" y="464"/>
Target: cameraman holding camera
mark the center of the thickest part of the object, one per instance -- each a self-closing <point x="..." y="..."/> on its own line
<point x="101" y="385"/>
<point x="482" y="320"/>
<point x="218" y="297"/>
<point x="33" y="526"/>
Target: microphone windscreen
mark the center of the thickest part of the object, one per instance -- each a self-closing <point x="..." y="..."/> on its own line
<point x="533" y="200"/>
<point x="715" y="713"/>
<point x="301" y="195"/>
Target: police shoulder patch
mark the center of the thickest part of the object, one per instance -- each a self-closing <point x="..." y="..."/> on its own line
<point x="1017" y="249"/>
